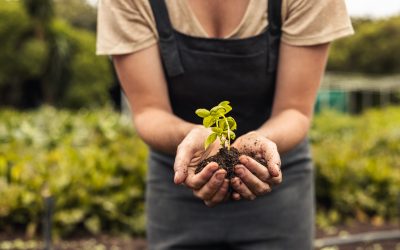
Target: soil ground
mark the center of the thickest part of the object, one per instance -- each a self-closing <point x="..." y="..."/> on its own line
<point x="357" y="228"/>
<point x="104" y="242"/>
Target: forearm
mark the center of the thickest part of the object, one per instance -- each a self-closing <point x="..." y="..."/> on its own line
<point x="286" y="129"/>
<point x="160" y="129"/>
<point x="296" y="91"/>
<point x="142" y="78"/>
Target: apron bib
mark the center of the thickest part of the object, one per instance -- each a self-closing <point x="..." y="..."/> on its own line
<point x="201" y="72"/>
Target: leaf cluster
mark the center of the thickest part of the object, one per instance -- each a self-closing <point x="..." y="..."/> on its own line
<point x="381" y="36"/>
<point x="61" y="66"/>
<point x="92" y="163"/>
<point x="222" y="126"/>
<point x="357" y="164"/>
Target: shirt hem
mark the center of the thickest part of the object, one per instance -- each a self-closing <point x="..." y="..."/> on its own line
<point x="325" y="38"/>
<point x="127" y="48"/>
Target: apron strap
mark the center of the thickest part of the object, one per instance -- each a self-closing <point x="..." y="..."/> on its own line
<point x="274" y="33"/>
<point x="167" y="40"/>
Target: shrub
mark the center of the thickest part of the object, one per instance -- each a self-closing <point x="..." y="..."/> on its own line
<point x="357" y="165"/>
<point x="89" y="76"/>
<point x="374" y="49"/>
<point x="92" y="163"/>
<point x="56" y="66"/>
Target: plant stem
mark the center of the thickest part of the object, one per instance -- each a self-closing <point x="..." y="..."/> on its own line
<point x="229" y="132"/>
<point x="220" y="137"/>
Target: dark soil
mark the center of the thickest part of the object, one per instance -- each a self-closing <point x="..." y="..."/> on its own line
<point x="227" y="159"/>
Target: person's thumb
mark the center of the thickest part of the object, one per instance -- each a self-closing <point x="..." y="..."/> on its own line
<point x="180" y="175"/>
<point x="181" y="165"/>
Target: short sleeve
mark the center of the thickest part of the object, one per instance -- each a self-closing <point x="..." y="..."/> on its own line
<point x="124" y="26"/>
<point x="310" y="22"/>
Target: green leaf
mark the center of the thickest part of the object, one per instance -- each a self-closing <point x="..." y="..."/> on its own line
<point x="223" y="103"/>
<point x="208" y="121"/>
<point x="93" y="224"/>
<point x="226" y="106"/>
<point x="218" y="111"/>
<point x="232" y="123"/>
<point x="231" y="133"/>
<point x="203" y="113"/>
<point x="210" y="139"/>
<point x="217" y="130"/>
<point x="222" y="124"/>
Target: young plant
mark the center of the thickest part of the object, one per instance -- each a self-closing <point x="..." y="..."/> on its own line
<point x="222" y="127"/>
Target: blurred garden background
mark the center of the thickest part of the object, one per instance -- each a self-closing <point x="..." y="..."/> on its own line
<point x="71" y="162"/>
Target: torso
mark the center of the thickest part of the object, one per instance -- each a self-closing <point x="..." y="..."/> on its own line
<point x="201" y="72"/>
<point x="219" y="18"/>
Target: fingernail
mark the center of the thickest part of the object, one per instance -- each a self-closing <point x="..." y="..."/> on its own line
<point x="220" y="176"/>
<point x="235" y="181"/>
<point x="243" y="159"/>
<point x="239" y="171"/>
<point x="275" y="172"/>
<point x="215" y="166"/>
<point x="176" y="177"/>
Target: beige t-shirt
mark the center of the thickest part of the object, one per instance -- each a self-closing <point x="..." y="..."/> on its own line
<point x="126" y="26"/>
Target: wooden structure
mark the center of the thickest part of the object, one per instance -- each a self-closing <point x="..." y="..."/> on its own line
<point x="354" y="93"/>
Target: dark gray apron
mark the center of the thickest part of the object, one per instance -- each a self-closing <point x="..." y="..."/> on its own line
<point x="201" y="72"/>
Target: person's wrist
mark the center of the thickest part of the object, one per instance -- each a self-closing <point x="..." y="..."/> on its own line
<point x="262" y="133"/>
<point x="186" y="128"/>
<point x="202" y="130"/>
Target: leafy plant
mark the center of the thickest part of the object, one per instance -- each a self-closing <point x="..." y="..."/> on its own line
<point x="92" y="163"/>
<point x="50" y="62"/>
<point x="357" y="165"/>
<point x="222" y="127"/>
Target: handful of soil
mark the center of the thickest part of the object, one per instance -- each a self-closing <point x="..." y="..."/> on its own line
<point x="226" y="159"/>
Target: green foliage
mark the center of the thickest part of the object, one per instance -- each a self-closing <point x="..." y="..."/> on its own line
<point x="92" y="163"/>
<point x="374" y="49"/>
<point x="78" y="13"/>
<point x="222" y="127"/>
<point x="50" y="57"/>
<point x="41" y="10"/>
<point x="357" y="165"/>
<point x="14" y="24"/>
<point x="89" y="76"/>
<point x="35" y="51"/>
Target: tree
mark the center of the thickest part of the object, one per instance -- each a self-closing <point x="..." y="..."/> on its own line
<point x="41" y="13"/>
<point x="78" y="13"/>
<point x="374" y="49"/>
<point x="43" y="59"/>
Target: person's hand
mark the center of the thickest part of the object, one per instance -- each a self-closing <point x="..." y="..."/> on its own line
<point x="209" y="184"/>
<point x="254" y="179"/>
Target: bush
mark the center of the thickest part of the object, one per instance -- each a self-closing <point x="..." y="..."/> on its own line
<point x="55" y="64"/>
<point x="92" y="163"/>
<point x="357" y="165"/>
<point x="89" y="77"/>
<point x="374" y="49"/>
<point x="78" y="13"/>
<point x="14" y="25"/>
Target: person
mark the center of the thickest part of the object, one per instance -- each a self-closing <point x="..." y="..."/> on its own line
<point x="267" y="58"/>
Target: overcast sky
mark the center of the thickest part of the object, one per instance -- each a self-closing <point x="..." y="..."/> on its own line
<point x="373" y="8"/>
<point x="369" y="8"/>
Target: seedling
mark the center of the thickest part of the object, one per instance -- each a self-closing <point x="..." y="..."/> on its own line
<point x="222" y="127"/>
